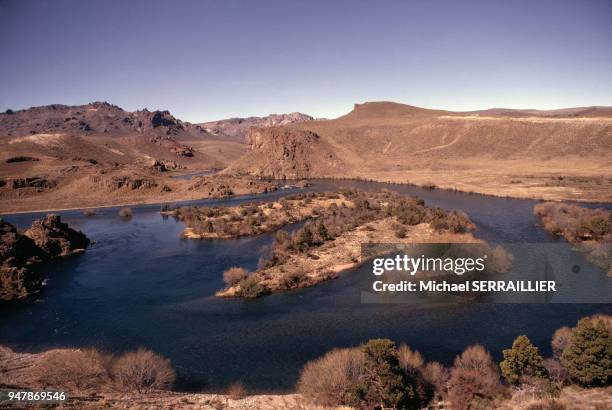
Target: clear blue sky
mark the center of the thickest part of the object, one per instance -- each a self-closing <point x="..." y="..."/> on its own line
<point x="206" y="60"/>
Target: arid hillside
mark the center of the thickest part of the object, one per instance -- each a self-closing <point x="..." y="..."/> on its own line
<point x="98" y="154"/>
<point x="107" y="134"/>
<point x="238" y="128"/>
<point x="559" y="154"/>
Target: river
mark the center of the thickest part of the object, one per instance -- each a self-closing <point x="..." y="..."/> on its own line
<point x="142" y="285"/>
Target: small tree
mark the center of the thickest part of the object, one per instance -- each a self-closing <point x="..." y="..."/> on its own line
<point x="386" y="383"/>
<point x="234" y="275"/>
<point x="408" y="358"/>
<point x="559" y="341"/>
<point x="303" y="238"/>
<point x="437" y="376"/>
<point x="142" y="371"/>
<point x="412" y="363"/>
<point x="474" y="379"/>
<point x="250" y="287"/>
<point x="588" y="356"/>
<point x="522" y="360"/>
<point x="334" y="379"/>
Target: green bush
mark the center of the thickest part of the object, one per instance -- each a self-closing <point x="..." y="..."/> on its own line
<point x="250" y="287"/>
<point x="588" y="356"/>
<point x="385" y="382"/>
<point x="522" y="360"/>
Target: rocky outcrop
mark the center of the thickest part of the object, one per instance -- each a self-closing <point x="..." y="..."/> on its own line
<point x="21" y="254"/>
<point x="56" y="238"/>
<point x="238" y="128"/>
<point x="220" y="186"/>
<point x="287" y="153"/>
<point x="162" y="165"/>
<point x="131" y="183"/>
<point x="33" y="182"/>
<point x="91" y="119"/>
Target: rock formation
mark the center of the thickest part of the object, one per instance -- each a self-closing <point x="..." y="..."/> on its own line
<point x="56" y="238"/>
<point x="21" y="254"/>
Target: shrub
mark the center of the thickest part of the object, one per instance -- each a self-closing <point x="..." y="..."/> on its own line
<point x="453" y="221"/>
<point x="436" y="375"/>
<point x="334" y="379"/>
<point x="303" y="238"/>
<point x="21" y="159"/>
<point x="412" y="363"/>
<point x="237" y="391"/>
<point x="250" y="287"/>
<point x="477" y="358"/>
<point x="588" y="356"/>
<point x="573" y="222"/>
<point x="597" y="226"/>
<point x="556" y="371"/>
<point x="559" y="341"/>
<point x="125" y="212"/>
<point x="89" y="212"/>
<point x="400" y="232"/>
<point x="474" y="379"/>
<point x="408" y="358"/>
<point x="292" y="278"/>
<point x="143" y="371"/>
<point x="522" y="360"/>
<point x="234" y="275"/>
<point x="386" y="383"/>
<point x="73" y="369"/>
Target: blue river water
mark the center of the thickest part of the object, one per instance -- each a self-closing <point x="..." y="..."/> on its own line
<point x="141" y="284"/>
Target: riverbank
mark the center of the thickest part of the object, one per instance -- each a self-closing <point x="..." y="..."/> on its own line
<point x="505" y="182"/>
<point x="120" y="189"/>
<point x="18" y="372"/>
<point x="556" y="181"/>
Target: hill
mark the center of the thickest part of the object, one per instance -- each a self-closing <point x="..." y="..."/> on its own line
<point x="96" y="154"/>
<point x="238" y="128"/>
<point x="559" y="154"/>
<point x="106" y="133"/>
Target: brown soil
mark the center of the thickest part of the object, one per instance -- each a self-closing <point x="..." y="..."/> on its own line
<point x="74" y="156"/>
<point x="552" y="155"/>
